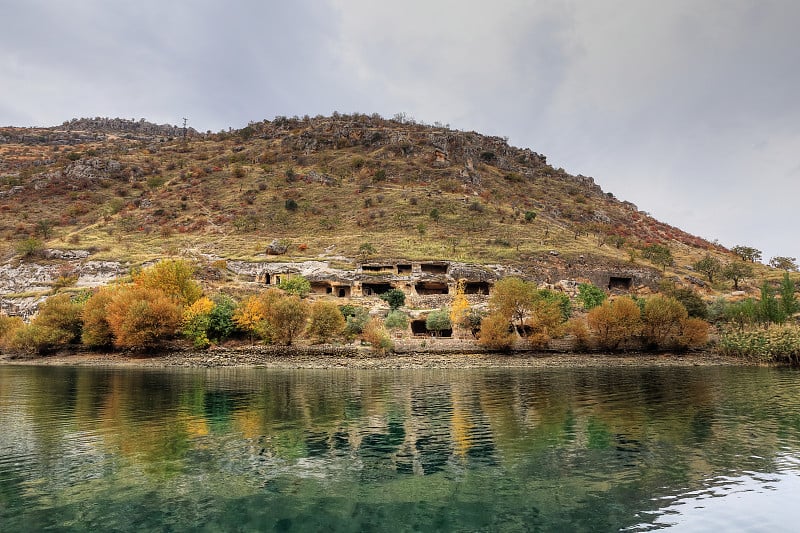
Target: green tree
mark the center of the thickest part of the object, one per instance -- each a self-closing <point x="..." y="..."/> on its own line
<point x="326" y="321"/>
<point x="658" y="254"/>
<point x="742" y="314"/>
<point x="366" y="250"/>
<point x="356" y="319"/>
<point x="438" y="321"/>
<point x="787" y="290"/>
<point x="769" y="309"/>
<point x="30" y="247"/>
<point x="590" y="296"/>
<point x="397" y="320"/>
<point x="296" y="285"/>
<point x="692" y="301"/>
<point x="710" y="266"/>
<point x="220" y="321"/>
<point x="737" y="271"/>
<point x="789" y="264"/>
<point x="394" y="297"/>
<point x="747" y="253"/>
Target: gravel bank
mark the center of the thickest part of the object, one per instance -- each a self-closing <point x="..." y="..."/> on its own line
<point x="273" y="358"/>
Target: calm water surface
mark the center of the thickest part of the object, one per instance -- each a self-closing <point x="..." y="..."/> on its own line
<point x="694" y="449"/>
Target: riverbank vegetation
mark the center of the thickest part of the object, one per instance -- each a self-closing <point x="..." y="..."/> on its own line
<point x="164" y="303"/>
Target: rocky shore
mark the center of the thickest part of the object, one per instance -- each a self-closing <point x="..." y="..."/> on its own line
<point x="352" y="358"/>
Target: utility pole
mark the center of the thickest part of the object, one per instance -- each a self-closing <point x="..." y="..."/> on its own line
<point x="184" y="129"/>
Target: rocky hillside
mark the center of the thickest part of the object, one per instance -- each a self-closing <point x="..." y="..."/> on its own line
<point x="341" y="189"/>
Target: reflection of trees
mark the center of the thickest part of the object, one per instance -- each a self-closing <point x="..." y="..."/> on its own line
<point x="556" y="439"/>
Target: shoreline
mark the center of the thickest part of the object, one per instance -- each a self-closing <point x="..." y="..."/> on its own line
<point x="258" y="357"/>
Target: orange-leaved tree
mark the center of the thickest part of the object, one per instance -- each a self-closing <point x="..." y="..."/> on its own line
<point x="141" y="317"/>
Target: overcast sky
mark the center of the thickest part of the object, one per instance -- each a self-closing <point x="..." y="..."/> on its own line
<point x="690" y="109"/>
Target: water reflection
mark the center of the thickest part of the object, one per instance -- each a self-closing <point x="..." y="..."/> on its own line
<point x="590" y="449"/>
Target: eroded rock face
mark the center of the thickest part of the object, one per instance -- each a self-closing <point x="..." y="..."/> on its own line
<point x="21" y="281"/>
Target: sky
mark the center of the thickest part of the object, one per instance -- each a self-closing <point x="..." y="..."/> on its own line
<point x="689" y="109"/>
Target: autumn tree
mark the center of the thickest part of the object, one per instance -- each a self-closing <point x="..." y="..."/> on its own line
<point x="614" y="321"/>
<point x="196" y="322"/>
<point x="61" y="312"/>
<point x="96" y="331"/>
<point x="662" y="318"/>
<point x="173" y="277"/>
<point x="250" y="316"/>
<point x="287" y="319"/>
<point x="496" y="332"/>
<point x="326" y="321"/>
<point x="140" y="316"/>
<point x="460" y="307"/>
<point x="376" y="335"/>
<point x="513" y="298"/>
<point x="8" y="328"/>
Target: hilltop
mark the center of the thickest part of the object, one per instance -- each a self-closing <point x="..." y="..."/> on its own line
<point x="343" y="189"/>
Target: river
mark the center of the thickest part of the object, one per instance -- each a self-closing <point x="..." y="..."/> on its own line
<point x="234" y="449"/>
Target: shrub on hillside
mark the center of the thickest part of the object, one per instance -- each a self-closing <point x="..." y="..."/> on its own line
<point x="96" y="332"/>
<point x="296" y="285"/>
<point x="61" y="312"/>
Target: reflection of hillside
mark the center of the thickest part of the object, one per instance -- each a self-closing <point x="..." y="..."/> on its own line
<point x="559" y="439"/>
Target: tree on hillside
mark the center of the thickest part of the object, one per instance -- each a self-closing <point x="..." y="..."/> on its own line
<point x="737" y="271"/>
<point x="658" y="254"/>
<point x="787" y="290"/>
<point x="710" y="266"/>
<point x="788" y="264"/>
<point x="747" y="253"/>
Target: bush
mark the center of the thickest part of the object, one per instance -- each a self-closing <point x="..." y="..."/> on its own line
<point x="496" y="332"/>
<point x="614" y="322"/>
<point x="375" y="334"/>
<point x="356" y="319"/>
<point x="297" y="285"/>
<point x="250" y="315"/>
<point x="776" y="344"/>
<point x="35" y="338"/>
<point x="174" y="278"/>
<point x="196" y="321"/>
<point x="395" y="298"/>
<point x="141" y="317"/>
<point x="662" y="318"/>
<point x="326" y="321"/>
<point x="220" y="321"/>
<point x="30" y="247"/>
<point x="396" y="320"/>
<point x="694" y="304"/>
<point x="61" y="313"/>
<point x="96" y="330"/>
<point x="438" y="321"/>
<point x="590" y="296"/>
<point x="287" y="319"/>
<point x="8" y="328"/>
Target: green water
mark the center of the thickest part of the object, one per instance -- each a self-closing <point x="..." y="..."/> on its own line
<point x="697" y="449"/>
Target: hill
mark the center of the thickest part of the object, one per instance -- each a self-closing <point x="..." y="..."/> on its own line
<point x="343" y="189"/>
